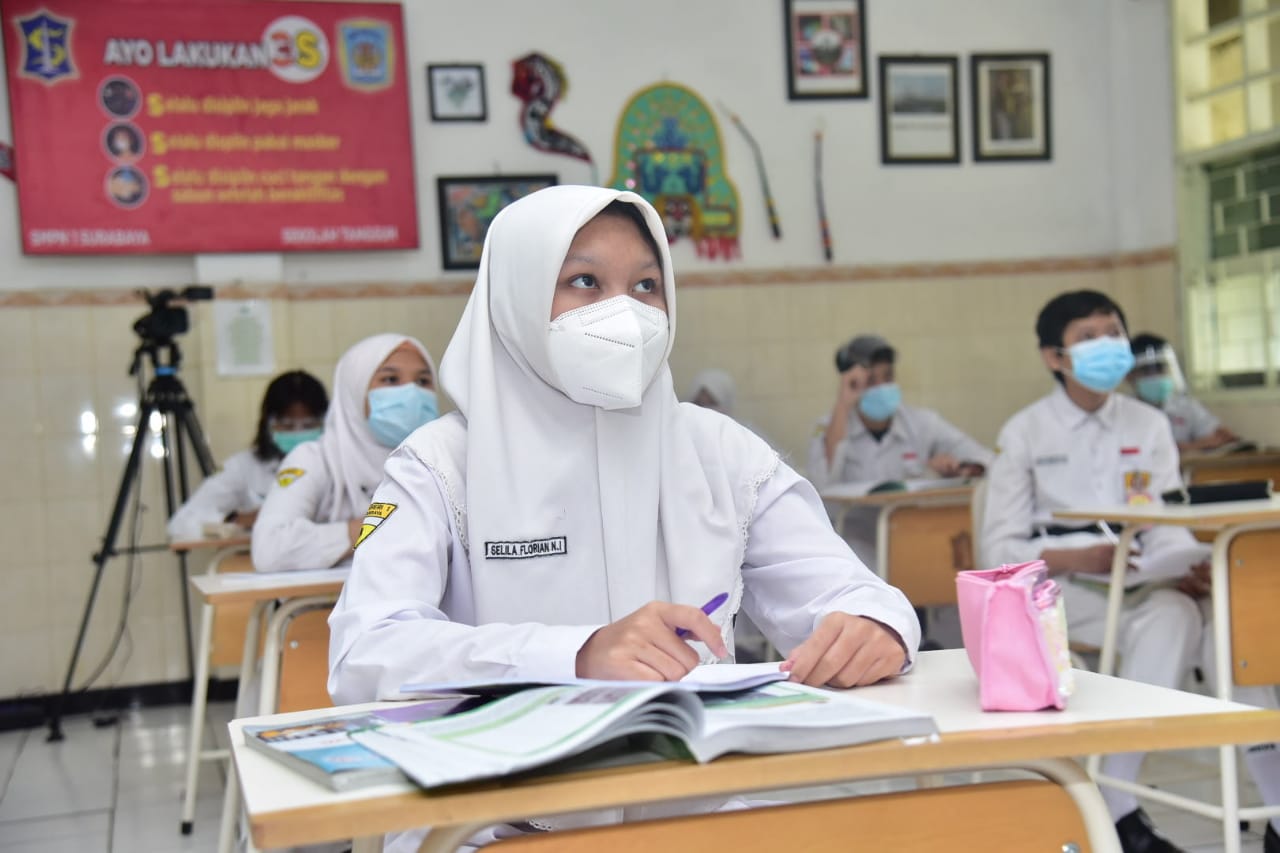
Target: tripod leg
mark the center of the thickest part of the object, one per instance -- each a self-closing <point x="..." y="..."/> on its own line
<point x="204" y="456"/>
<point x="100" y="561"/>
<point x="173" y="456"/>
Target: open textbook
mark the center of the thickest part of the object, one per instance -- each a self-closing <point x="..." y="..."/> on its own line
<point x="539" y="726"/>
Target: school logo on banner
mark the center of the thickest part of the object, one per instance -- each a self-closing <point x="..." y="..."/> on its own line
<point x="289" y="476"/>
<point x="46" y="47"/>
<point x="365" y="54"/>
<point x="377" y="514"/>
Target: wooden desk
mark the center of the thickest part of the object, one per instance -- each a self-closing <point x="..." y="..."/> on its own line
<point x="1225" y="521"/>
<point x="1201" y="467"/>
<point x="922" y="538"/>
<point x="1105" y="715"/>
<point x="261" y="590"/>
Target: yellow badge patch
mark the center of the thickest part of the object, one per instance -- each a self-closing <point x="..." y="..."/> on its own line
<point x="1137" y="487"/>
<point x="288" y="476"/>
<point x="377" y="514"/>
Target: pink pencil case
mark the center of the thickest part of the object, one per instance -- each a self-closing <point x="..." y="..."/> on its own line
<point x="1015" y="633"/>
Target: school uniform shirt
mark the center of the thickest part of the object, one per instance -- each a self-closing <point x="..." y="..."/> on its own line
<point x="408" y="613"/>
<point x="241" y="486"/>
<point x="295" y="528"/>
<point x="915" y="436"/>
<point x="1190" y="420"/>
<point x="1054" y="455"/>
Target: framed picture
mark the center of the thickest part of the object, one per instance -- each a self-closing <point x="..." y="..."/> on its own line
<point x="1010" y="106"/>
<point x="919" y="116"/>
<point x="468" y="205"/>
<point x="826" y="49"/>
<point x="456" y="92"/>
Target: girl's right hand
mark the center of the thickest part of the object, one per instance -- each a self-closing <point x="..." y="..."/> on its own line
<point x="644" y="647"/>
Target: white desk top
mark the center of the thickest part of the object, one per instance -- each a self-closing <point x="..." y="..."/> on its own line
<point x="942" y="683"/>
<point x="1211" y="515"/>
<point x="251" y="586"/>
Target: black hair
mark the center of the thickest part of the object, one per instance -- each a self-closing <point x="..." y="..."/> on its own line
<point x="1144" y="341"/>
<point x="628" y="210"/>
<point x="1073" y="305"/>
<point x="296" y="386"/>
<point x="881" y="355"/>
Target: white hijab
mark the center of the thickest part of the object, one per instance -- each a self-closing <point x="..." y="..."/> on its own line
<point x="654" y="501"/>
<point x="719" y="385"/>
<point x="352" y="455"/>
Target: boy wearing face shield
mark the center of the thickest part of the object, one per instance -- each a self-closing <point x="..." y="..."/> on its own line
<point x="871" y="437"/>
<point x="1084" y="445"/>
<point x="1157" y="379"/>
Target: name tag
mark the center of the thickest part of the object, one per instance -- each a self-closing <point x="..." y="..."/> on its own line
<point x="551" y="547"/>
<point x="1130" y="451"/>
<point x="909" y="456"/>
<point x="1052" y="459"/>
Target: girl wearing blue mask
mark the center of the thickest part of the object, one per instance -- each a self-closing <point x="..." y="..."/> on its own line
<point x="292" y="412"/>
<point x="383" y="389"/>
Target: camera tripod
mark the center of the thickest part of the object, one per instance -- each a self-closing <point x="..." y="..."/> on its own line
<point x="164" y="395"/>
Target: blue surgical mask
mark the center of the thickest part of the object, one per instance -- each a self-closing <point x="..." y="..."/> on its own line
<point x="396" y="412"/>
<point x="879" y="402"/>
<point x="1155" y="389"/>
<point x="287" y="440"/>
<point x="1101" y="364"/>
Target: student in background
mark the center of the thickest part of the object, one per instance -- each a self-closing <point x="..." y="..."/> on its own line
<point x="292" y="412"/>
<point x="1157" y="379"/>
<point x="572" y="515"/>
<point x="383" y="389"/>
<point x="1083" y="445"/>
<point x="871" y="437"/>
<point x="715" y="389"/>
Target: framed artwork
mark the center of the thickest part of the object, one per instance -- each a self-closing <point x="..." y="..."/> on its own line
<point x="456" y="92"/>
<point x="826" y="49"/>
<point x="1010" y="106"/>
<point x="919" y="114"/>
<point x="468" y="205"/>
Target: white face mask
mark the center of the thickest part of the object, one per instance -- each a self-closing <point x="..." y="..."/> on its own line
<point x="606" y="354"/>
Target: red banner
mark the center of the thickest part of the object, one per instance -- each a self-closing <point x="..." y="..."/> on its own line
<point x="219" y="126"/>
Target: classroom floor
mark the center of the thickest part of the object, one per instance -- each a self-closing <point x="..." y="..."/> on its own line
<point x="119" y="788"/>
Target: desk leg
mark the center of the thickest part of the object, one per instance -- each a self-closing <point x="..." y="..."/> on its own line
<point x="882" y="541"/>
<point x="231" y="795"/>
<point x="199" y="700"/>
<point x="1080" y="787"/>
<point x="447" y="839"/>
<point x="1111" y="629"/>
<point x="1221" y="599"/>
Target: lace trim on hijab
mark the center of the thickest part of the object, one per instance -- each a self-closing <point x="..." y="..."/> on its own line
<point x="456" y="507"/>
<point x="753" y="498"/>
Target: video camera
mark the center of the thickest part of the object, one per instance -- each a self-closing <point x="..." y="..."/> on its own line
<point x="167" y="320"/>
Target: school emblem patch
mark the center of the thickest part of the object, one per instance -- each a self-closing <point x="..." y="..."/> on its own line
<point x="377" y="514"/>
<point x="46" y="47"/>
<point x="1137" y="487"/>
<point x="365" y="54"/>
<point x="288" y="476"/>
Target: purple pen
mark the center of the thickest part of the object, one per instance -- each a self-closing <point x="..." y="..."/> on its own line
<point x="710" y="607"/>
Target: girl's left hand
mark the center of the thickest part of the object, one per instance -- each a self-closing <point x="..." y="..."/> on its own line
<point x="847" y="651"/>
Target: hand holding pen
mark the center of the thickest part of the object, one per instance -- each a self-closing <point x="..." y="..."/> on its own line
<point x="648" y="645"/>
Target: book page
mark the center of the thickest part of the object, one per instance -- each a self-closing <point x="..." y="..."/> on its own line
<point x="707" y="678"/>
<point x="529" y="729"/>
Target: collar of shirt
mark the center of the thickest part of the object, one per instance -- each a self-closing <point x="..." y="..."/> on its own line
<point x="1068" y="413"/>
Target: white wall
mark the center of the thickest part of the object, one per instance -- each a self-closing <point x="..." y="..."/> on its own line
<point x="1107" y="188"/>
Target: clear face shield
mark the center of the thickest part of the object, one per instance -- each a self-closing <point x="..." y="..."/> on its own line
<point x="1156" y="375"/>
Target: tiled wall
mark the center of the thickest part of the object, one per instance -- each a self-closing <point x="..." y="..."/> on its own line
<point x="965" y="343"/>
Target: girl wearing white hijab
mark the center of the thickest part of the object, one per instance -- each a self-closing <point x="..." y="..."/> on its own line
<point x="571" y="515"/>
<point x="714" y="389"/>
<point x="383" y="389"/>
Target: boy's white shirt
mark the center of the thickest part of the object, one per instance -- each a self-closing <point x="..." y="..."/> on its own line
<point x="323" y="484"/>
<point x="915" y="435"/>
<point x="1189" y="418"/>
<point x="1053" y="455"/>
<point x="241" y="485"/>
